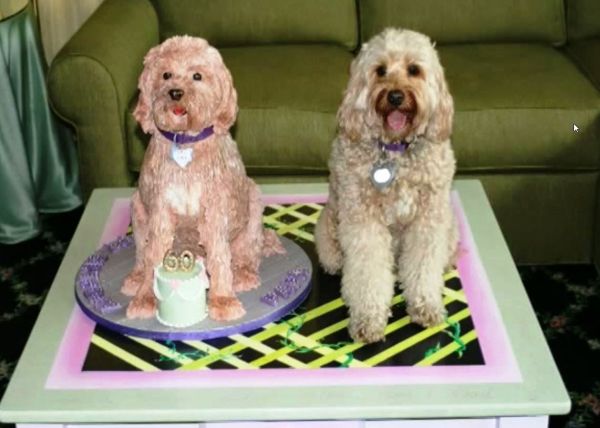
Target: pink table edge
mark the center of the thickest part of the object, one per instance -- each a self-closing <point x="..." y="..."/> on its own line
<point x="500" y="364"/>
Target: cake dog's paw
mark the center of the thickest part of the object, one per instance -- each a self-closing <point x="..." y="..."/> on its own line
<point x="245" y="279"/>
<point x="132" y="283"/>
<point x="143" y="305"/>
<point x="221" y="308"/>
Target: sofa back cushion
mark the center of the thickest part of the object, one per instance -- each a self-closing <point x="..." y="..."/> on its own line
<point x="583" y="19"/>
<point x="257" y="22"/>
<point x="459" y="21"/>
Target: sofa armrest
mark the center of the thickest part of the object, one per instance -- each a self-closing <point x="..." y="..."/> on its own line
<point x="586" y="54"/>
<point x="92" y="80"/>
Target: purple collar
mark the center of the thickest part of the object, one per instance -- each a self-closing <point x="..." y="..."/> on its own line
<point x="181" y="138"/>
<point x="394" y="147"/>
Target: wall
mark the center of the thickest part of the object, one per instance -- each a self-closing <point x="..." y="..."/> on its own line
<point x="60" y="19"/>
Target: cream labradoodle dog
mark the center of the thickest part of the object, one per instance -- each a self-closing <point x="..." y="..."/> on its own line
<point x="388" y="216"/>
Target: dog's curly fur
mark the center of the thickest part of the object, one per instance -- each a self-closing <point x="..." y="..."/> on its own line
<point x="212" y="193"/>
<point x="406" y="232"/>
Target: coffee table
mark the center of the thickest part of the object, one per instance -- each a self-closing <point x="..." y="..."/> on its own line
<point x="488" y="366"/>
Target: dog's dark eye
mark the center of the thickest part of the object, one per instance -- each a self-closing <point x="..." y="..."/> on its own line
<point x="414" y="70"/>
<point x="381" y="70"/>
<point x="197" y="76"/>
<point x="167" y="75"/>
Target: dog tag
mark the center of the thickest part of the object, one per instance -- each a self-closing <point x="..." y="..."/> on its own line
<point x="181" y="156"/>
<point x="383" y="174"/>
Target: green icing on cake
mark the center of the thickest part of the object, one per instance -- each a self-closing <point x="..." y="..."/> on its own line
<point x="181" y="296"/>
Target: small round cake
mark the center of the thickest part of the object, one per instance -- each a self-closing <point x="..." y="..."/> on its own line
<point x="181" y="295"/>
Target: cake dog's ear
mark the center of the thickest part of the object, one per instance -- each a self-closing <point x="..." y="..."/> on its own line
<point x="143" y="109"/>
<point x="227" y="108"/>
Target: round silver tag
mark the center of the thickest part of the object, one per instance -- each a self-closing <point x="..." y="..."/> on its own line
<point x="383" y="174"/>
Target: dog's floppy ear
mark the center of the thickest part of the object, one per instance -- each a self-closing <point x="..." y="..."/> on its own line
<point x="439" y="127"/>
<point x="143" y="109"/>
<point x="228" y="107"/>
<point x="351" y="113"/>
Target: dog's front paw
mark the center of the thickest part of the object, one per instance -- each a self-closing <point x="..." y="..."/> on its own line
<point x="132" y="283"/>
<point x="427" y="314"/>
<point x="326" y="243"/>
<point x="244" y="280"/>
<point x="143" y="305"/>
<point x="272" y="244"/>
<point x="222" y="308"/>
<point x="368" y="328"/>
<point x="330" y="261"/>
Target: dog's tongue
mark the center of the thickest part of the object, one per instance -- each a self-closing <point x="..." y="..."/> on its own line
<point x="396" y="120"/>
<point x="179" y="110"/>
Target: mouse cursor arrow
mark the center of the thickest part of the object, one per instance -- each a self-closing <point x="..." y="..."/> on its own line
<point x="575" y="128"/>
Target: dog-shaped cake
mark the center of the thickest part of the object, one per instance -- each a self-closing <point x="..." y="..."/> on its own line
<point x="388" y="216"/>
<point x="193" y="176"/>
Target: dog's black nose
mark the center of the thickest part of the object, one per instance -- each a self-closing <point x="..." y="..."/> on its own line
<point x="395" y="97"/>
<point x="176" y="94"/>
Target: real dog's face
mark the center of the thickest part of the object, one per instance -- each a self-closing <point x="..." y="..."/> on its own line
<point x="185" y="87"/>
<point x="396" y="94"/>
<point x="396" y="91"/>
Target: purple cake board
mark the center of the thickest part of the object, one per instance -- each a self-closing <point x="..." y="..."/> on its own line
<point x="101" y="276"/>
<point x="201" y="335"/>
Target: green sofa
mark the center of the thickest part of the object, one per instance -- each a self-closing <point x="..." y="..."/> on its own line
<point x="521" y="72"/>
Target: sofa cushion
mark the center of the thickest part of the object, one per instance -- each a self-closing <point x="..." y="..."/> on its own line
<point x="546" y="217"/>
<point x="586" y="54"/>
<point x="243" y="22"/>
<point x="583" y="19"/>
<point x="458" y="21"/>
<point x="516" y="105"/>
<point x="288" y="98"/>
